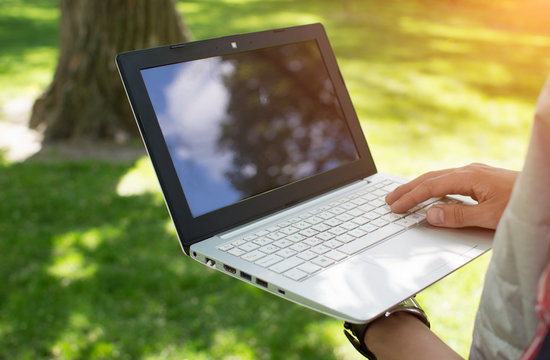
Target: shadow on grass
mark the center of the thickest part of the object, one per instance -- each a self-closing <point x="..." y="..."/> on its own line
<point x="90" y="274"/>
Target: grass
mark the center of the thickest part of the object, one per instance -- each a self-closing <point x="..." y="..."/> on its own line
<point x="90" y="265"/>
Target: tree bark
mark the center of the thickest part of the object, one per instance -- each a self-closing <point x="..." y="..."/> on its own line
<point x="86" y="100"/>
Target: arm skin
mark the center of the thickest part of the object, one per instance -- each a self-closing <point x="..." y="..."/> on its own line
<point x="490" y="187"/>
<point x="402" y="336"/>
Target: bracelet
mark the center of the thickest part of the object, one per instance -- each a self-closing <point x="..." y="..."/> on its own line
<point x="356" y="332"/>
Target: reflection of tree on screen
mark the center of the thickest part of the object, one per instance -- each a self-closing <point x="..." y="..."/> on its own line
<point x="283" y="121"/>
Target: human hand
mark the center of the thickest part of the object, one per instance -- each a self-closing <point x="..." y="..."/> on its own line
<point x="490" y="187"/>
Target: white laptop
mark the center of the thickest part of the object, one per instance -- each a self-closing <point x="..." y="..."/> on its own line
<point x="268" y="177"/>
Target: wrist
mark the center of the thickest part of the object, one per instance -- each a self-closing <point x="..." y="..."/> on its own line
<point x="404" y="312"/>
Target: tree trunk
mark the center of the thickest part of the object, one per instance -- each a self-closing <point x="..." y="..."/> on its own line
<point x="86" y="100"/>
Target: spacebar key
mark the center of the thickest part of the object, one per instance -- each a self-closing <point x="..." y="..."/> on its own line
<point x="370" y="238"/>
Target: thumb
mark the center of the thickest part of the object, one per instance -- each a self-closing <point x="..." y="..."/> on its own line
<point x="453" y="215"/>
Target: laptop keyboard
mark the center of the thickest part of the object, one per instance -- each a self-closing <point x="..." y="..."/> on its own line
<point x="305" y="245"/>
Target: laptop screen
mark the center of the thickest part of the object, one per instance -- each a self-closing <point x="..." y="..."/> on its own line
<point x="243" y="124"/>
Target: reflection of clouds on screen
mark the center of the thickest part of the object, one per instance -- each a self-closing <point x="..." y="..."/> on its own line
<point x="191" y="128"/>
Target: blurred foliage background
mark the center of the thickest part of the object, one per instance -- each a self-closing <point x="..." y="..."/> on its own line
<point x="90" y="267"/>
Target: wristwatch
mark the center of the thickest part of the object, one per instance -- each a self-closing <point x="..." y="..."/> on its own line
<point x="356" y="332"/>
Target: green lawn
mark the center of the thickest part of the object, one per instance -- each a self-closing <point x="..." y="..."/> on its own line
<point x="90" y="266"/>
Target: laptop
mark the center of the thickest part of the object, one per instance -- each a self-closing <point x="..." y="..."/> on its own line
<point x="268" y="177"/>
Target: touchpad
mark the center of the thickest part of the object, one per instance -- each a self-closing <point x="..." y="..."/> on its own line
<point x="420" y="256"/>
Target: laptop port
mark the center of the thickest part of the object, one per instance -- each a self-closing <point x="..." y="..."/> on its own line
<point x="261" y="282"/>
<point x="246" y="276"/>
<point x="282" y="292"/>
<point x="210" y="262"/>
<point x="230" y="269"/>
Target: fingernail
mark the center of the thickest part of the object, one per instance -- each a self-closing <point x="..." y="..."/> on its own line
<point x="435" y="216"/>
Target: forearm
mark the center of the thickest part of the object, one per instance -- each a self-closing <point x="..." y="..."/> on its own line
<point x="402" y="336"/>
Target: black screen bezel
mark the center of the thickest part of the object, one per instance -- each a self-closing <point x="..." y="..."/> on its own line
<point x="193" y="229"/>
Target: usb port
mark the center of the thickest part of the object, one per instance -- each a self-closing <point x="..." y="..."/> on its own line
<point x="261" y="282"/>
<point x="229" y="269"/>
<point x="246" y="276"/>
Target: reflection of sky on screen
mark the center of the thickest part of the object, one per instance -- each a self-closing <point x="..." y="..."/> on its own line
<point x="190" y="101"/>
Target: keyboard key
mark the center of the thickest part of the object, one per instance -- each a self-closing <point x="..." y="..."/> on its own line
<point x="391" y="217"/>
<point x="313" y="241"/>
<point x="262" y="241"/>
<point x="360" y="220"/>
<point x="336" y="255"/>
<point x="238" y="242"/>
<point x="286" y="253"/>
<point x="250" y="237"/>
<point x="415" y="217"/>
<point x="269" y="249"/>
<point x="337" y="210"/>
<point x="307" y="255"/>
<point x="302" y="225"/>
<point x="320" y="249"/>
<point x="356" y="233"/>
<point x="289" y="230"/>
<point x="369" y="239"/>
<point x="299" y="247"/>
<point x="359" y="201"/>
<point x="337" y="231"/>
<point x="261" y="233"/>
<point x="379" y="222"/>
<point x="283" y="243"/>
<point x="320" y="227"/>
<point x="269" y="260"/>
<point x="295" y="274"/>
<point x="371" y="215"/>
<point x="308" y="232"/>
<point x="309" y="268"/>
<point x="248" y="246"/>
<point x="333" y="244"/>
<point x="405" y="222"/>
<point x="383" y="210"/>
<point x="344" y="217"/>
<point x="225" y="247"/>
<point x="322" y="261"/>
<point x="379" y="193"/>
<point x="295" y="237"/>
<point x="276" y="235"/>
<point x="236" y="252"/>
<point x="349" y="225"/>
<point x="348" y="205"/>
<point x="314" y="220"/>
<point x="325" y="236"/>
<point x="333" y="222"/>
<point x="377" y="202"/>
<point x="355" y="213"/>
<point x="391" y="187"/>
<point x="253" y="256"/>
<point x="345" y="238"/>
<point x="286" y="264"/>
<point x="369" y="228"/>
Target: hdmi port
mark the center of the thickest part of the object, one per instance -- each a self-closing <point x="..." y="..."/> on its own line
<point x="229" y="269"/>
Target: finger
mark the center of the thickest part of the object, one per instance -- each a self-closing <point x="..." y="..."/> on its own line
<point x="458" y="216"/>
<point x="455" y="182"/>
<point x="405" y="188"/>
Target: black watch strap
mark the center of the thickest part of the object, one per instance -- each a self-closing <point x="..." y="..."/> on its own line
<point x="356" y="335"/>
